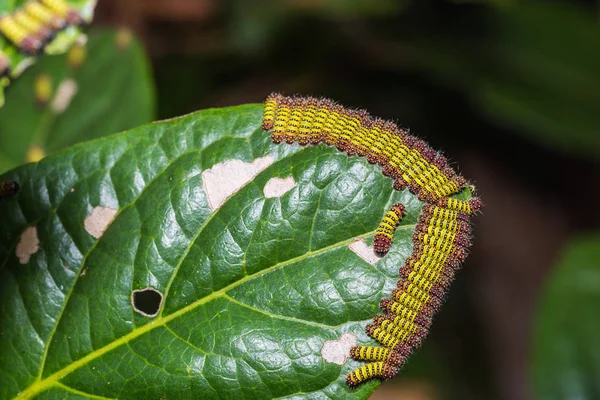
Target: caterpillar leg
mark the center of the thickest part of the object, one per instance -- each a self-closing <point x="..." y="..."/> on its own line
<point x="362" y="374"/>
<point x="385" y="232"/>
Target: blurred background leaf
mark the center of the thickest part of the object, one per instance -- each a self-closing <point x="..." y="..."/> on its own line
<point x="566" y="343"/>
<point x="59" y="45"/>
<point x="112" y="90"/>
<point x="535" y="68"/>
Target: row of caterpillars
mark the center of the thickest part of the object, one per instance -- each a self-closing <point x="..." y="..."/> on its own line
<point x="441" y="238"/>
<point x="31" y="27"/>
<point x="440" y="243"/>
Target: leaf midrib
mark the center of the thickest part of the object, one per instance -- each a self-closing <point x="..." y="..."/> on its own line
<point x="162" y="321"/>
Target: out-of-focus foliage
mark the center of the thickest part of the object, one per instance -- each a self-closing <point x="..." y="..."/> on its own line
<point x="536" y="68"/>
<point x="97" y="89"/>
<point x="566" y="357"/>
<point x="59" y="45"/>
<point x="256" y="23"/>
<point x="529" y="67"/>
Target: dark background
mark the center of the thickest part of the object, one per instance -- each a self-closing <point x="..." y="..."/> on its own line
<point x="509" y="89"/>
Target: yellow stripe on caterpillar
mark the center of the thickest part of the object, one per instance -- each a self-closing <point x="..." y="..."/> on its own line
<point x="44" y="15"/>
<point x="378" y="369"/>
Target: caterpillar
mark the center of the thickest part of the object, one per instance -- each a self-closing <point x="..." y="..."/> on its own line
<point x="373" y="370"/>
<point x="441" y="237"/>
<point x="376" y="353"/>
<point x="385" y="232"/>
<point x="45" y="15"/>
<point x="8" y="189"/>
<point x="31" y="27"/>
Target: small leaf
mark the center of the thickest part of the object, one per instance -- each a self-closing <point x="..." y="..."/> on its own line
<point x="109" y="89"/>
<point x="566" y="355"/>
<point x="62" y="42"/>
<point x="250" y="275"/>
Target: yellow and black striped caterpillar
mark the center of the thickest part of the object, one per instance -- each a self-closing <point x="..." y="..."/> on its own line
<point x="32" y="26"/>
<point x="385" y="232"/>
<point x="440" y="239"/>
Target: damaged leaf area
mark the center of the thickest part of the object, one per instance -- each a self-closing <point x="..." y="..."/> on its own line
<point x="193" y="258"/>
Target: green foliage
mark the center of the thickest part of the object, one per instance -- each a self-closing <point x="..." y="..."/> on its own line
<point x="252" y="289"/>
<point x="59" y="45"/>
<point x="536" y="69"/>
<point x="566" y="357"/>
<point x="114" y="92"/>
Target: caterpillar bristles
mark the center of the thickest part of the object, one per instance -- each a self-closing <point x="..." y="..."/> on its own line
<point x="441" y="237"/>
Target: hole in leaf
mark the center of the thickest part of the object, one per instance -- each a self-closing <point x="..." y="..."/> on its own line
<point x="147" y="301"/>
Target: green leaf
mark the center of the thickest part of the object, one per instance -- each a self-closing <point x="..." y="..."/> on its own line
<point x="251" y="289"/>
<point x="566" y="356"/>
<point x="60" y="44"/>
<point x="114" y="92"/>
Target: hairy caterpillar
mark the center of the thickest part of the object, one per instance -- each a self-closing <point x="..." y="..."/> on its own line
<point x="373" y="353"/>
<point x="440" y="239"/>
<point x="387" y="227"/>
<point x="31" y="27"/>
<point x="377" y="369"/>
<point x="8" y="189"/>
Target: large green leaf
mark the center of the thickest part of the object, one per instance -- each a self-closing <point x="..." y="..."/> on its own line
<point x="252" y="289"/>
<point x="114" y="92"/>
<point x="566" y="357"/>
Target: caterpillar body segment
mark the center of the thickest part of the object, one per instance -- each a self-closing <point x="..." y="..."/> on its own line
<point x="440" y="238"/>
<point x="64" y="10"/>
<point x="269" y="111"/>
<point x="378" y="369"/>
<point x="355" y="132"/>
<point x="294" y="122"/>
<point x="436" y="229"/>
<point x="33" y="26"/>
<point x="377" y="353"/>
<point x="391" y="306"/>
<point x="404" y="330"/>
<point x="27" y="42"/>
<point x="45" y="15"/>
<point x="468" y="207"/>
<point x="282" y="116"/>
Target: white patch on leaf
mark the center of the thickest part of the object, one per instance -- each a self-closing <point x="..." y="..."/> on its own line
<point x="337" y="351"/>
<point x="364" y="251"/>
<point x="98" y="220"/>
<point x="28" y="245"/>
<point x="277" y="187"/>
<point x="225" y="179"/>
